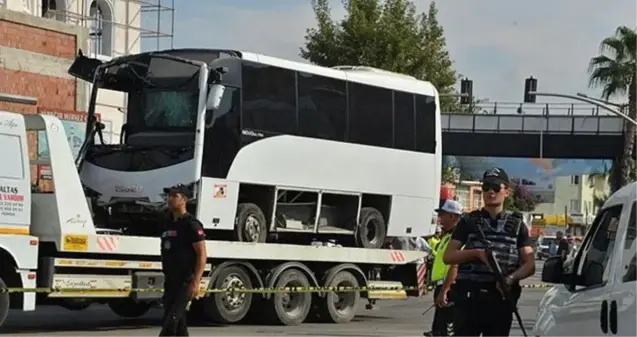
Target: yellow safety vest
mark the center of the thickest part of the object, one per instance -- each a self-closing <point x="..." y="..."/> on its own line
<point x="440" y="269"/>
<point x="433" y="241"/>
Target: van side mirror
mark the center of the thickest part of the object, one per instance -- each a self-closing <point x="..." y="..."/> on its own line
<point x="214" y="96"/>
<point x="553" y="270"/>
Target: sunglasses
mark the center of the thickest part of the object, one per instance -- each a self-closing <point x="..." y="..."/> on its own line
<point x="491" y="187"/>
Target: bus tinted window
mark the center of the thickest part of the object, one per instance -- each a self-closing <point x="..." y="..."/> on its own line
<point x="322" y="106"/>
<point x="404" y="125"/>
<point x="370" y="115"/>
<point x="425" y="124"/>
<point x="269" y="99"/>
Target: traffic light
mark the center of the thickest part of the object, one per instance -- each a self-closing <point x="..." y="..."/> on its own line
<point x="530" y="85"/>
<point x="466" y="90"/>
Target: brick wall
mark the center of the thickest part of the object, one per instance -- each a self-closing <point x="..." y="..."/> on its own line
<point x="34" y="56"/>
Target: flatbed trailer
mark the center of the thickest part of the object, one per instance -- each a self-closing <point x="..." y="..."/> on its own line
<point x="52" y="253"/>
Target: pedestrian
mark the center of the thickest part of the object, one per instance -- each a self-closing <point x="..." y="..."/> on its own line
<point x="480" y="306"/>
<point x="563" y="246"/>
<point x="443" y="275"/>
<point x="183" y="255"/>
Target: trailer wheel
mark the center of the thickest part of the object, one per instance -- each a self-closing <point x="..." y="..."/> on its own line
<point x="339" y="307"/>
<point x="126" y="307"/>
<point x="4" y="303"/>
<point x="290" y="308"/>
<point x="229" y="308"/>
<point x="371" y="230"/>
<point x="250" y="224"/>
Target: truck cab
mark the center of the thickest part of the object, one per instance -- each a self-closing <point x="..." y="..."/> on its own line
<point x="594" y="292"/>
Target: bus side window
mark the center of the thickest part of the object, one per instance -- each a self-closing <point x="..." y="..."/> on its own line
<point x="404" y="125"/>
<point x="370" y="114"/>
<point x="425" y="124"/>
<point x="630" y="251"/>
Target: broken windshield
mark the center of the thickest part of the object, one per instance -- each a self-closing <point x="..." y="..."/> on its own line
<point x="169" y="108"/>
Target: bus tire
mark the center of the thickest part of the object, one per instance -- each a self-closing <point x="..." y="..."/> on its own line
<point x="127" y="308"/>
<point x="290" y="308"/>
<point x="4" y="303"/>
<point x="371" y="222"/>
<point x="250" y="224"/>
<point x="337" y="307"/>
<point x="217" y="306"/>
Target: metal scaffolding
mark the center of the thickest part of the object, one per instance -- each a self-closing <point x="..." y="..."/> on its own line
<point x="150" y="21"/>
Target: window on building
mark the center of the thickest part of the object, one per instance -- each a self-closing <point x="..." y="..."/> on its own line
<point x="575" y="180"/>
<point x="574" y="206"/>
<point x="100" y="28"/>
<point x="53" y="9"/>
<point x="462" y="196"/>
<point x="477" y="199"/>
<point x="404" y="121"/>
<point x="370" y="115"/>
<point x="322" y="103"/>
<point x="269" y="99"/>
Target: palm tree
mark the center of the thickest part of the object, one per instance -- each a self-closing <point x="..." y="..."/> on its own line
<point x="614" y="71"/>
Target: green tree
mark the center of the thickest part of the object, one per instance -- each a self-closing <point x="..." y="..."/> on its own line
<point x="519" y="200"/>
<point x="388" y="35"/>
<point x="614" y="71"/>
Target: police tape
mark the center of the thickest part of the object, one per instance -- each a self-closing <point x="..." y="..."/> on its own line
<point x="234" y="290"/>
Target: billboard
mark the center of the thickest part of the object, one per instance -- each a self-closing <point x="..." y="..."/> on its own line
<point x="537" y="175"/>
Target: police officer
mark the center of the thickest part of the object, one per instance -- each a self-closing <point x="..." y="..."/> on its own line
<point x="480" y="307"/>
<point x="183" y="254"/>
<point x="442" y="275"/>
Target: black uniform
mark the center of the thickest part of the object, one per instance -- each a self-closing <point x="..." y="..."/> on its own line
<point x="178" y="262"/>
<point x="479" y="305"/>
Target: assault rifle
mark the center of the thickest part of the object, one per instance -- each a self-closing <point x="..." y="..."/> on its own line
<point x="499" y="277"/>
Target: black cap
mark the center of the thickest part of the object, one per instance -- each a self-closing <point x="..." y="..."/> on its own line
<point x="496" y="176"/>
<point x="181" y="189"/>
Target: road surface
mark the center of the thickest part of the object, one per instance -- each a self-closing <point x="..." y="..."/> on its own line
<point x="390" y="318"/>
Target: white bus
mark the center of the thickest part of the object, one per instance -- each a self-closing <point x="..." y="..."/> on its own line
<point x="294" y="151"/>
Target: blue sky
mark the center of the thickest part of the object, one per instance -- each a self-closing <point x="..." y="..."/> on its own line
<point x="496" y="43"/>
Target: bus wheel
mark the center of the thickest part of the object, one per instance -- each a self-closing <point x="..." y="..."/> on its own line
<point x="126" y="307"/>
<point x="290" y="308"/>
<point x="339" y="307"/>
<point x="230" y="307"/>
<point x="250" y="224"/>
<point x="371" y="230"/>
<point x="4" y="303"/>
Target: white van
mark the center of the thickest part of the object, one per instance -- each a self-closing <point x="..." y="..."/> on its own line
<point x="594" y="292"/>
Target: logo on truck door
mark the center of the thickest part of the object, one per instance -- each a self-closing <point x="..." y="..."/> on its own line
<point x="77" y="243"/>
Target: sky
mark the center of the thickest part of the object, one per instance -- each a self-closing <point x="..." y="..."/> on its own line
<point x="495" y="43"/>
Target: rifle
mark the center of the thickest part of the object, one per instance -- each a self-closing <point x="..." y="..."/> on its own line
<point x="495" y="266"/>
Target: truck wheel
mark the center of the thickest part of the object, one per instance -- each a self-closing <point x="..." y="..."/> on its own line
<point x="4" y="303"/>
<point x="226" y="308"/>
<point x="290" y="308"/>
<point x="341" y="307"/>
<point x="126" y="307"/>
<point x="371" y="230"/>
<point x="250" y="224"/>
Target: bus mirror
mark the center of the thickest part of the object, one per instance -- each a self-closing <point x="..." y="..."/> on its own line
<point x="214" y="96"/>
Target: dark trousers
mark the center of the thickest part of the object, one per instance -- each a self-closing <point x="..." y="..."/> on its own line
<point x="175" y="301"/>
<point x="443" y="318"/>
<point x="481" y="310"/>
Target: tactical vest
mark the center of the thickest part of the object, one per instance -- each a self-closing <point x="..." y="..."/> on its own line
<point x="503" y="238"/>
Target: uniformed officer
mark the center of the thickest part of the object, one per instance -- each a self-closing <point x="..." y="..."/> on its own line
<point x="480" y="307"/>
<point x="183" y="254"/>
<point x="442" y="275"/>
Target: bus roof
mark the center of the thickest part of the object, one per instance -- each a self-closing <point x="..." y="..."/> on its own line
<point x="356" y="74"/>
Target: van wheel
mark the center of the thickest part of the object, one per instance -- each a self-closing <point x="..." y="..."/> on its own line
<point x="229" y="307"/>
<point x="126" y="307"/>
<point x="338" y="307"/>
<point x="4" y="303"/>
<point x="250" y="224"/>
<point x="371" y="230"/>
<point x="290" y="308"/>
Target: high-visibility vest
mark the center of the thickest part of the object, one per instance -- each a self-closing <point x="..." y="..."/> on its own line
<point x="440" y="269"/>
<point x="433" y="241"/>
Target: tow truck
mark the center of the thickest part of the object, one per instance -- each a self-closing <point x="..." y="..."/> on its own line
<point x="50" y="241"/>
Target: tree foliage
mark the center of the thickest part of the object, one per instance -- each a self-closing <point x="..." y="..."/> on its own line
<point x="519" y="200"/>
<point x="389" y="35"/>
<point x="614" y="71"/>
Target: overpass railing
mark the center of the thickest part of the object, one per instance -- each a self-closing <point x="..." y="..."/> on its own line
<point x="533" y="124"/>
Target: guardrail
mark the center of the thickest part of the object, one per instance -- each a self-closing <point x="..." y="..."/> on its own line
<point x="533" y="124"/>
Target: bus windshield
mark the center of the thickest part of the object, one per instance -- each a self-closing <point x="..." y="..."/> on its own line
<point x="169" y="108"/>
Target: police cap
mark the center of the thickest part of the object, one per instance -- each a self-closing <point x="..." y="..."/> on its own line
<point x="495" y="176"/>
<point x="180" y="189"/>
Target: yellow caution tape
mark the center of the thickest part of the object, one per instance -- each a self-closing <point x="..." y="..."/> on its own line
<point x="235" y="290"/>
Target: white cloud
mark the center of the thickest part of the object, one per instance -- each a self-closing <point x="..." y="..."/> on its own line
<point x="497" y="43"/>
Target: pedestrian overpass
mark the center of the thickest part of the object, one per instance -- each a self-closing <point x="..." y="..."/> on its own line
<point x="568" y="134"/>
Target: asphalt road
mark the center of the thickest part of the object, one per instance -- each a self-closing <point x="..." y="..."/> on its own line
<point x="389" y="318"/>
